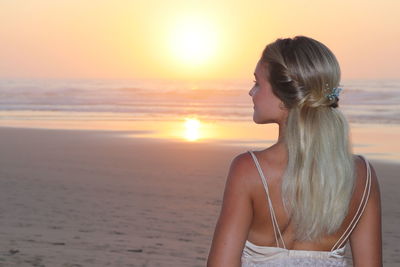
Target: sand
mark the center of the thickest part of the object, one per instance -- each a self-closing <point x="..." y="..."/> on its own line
<point x="91" y="198"/>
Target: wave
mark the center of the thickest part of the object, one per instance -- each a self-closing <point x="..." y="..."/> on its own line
<point x="363" y="101"/>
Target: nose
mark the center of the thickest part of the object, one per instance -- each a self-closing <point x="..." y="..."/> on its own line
<point x="251" y="91"/>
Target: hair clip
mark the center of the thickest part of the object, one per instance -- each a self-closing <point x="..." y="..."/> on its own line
<point x="335" y="92"/>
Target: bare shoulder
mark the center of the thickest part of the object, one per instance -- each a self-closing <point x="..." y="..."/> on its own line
<point x="239" y="169"/>
<point x="366" y="239"/>
<point x="242" y="162"/>
<point x="361" y="170"/>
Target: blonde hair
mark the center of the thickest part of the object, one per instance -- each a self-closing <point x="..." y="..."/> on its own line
<point x="319" y="178"/>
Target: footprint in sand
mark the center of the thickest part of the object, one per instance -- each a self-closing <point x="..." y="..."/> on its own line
<point x="135" y="250"/>
<point x="71" y="265"/>
<point x="37" y="261"/>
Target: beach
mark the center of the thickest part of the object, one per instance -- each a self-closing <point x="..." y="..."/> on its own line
<point x="119" y="120"/>
<point x="96" y="198"/>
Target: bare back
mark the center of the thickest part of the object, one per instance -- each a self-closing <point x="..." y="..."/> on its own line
<point x="261" y="231"/>
<point x="246" y="230"/>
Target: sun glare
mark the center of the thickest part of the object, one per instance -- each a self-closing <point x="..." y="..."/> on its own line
<point x="193" y="41"/>
<point x="192" y="129"/>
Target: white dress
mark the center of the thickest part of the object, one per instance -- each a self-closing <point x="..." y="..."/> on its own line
<point x="261" y="256"/>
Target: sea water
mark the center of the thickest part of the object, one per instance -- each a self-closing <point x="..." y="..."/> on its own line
<point x="157" y="108"/>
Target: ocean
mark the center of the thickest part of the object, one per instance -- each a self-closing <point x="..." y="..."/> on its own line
<point x="148" y="107"/>
<point x="362" y="101"/>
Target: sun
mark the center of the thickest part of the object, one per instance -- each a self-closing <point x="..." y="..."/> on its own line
<point x="192" y="129"/>
<point x="193" y="41"/>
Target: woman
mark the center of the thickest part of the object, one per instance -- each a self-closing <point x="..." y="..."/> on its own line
<point x="298" y="202"/>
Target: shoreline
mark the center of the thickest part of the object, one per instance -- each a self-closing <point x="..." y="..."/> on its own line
<point x="373" y="141"/>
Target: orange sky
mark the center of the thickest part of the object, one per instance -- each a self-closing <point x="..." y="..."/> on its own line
<point x="189" y="39"/>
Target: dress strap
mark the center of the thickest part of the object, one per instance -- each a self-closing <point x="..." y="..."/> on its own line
<point x="360" y="209"/>
<point x="271" y="209"/>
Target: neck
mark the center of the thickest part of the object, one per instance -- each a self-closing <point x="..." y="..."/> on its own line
<point x="281" y="136"/>
<point x="280" y="147"/>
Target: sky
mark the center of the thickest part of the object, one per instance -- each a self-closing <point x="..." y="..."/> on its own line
<point x="186" y="40"/>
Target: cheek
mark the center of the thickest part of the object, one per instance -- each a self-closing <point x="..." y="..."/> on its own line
<point x="267" y="106"/>
<point x="260" y="97"/>
<point x="265" y="100"/>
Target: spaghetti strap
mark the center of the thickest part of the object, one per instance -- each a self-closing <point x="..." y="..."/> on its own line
<point x="360" y="209"/>
<point x="271" y="209"/>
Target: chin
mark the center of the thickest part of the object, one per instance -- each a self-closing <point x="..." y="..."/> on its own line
<point x="257" y="121"/>
<point x="261" y="121"/>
